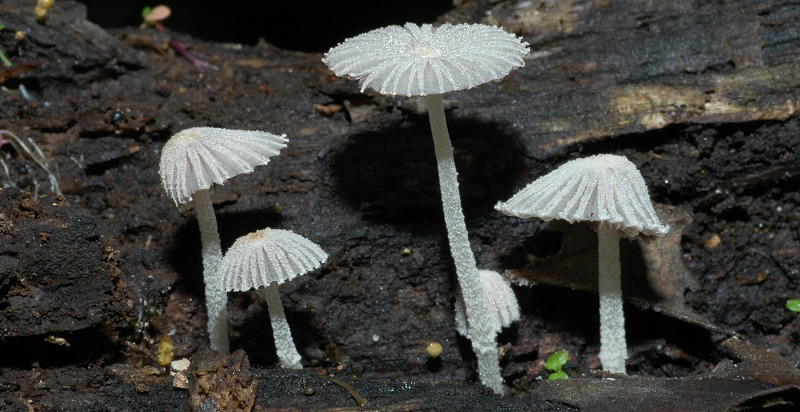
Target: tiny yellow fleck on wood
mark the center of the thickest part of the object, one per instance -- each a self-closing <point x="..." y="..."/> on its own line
<point x="42" y="6"/>
<point x="166" y="351"/>
<point x="434" y="349"/>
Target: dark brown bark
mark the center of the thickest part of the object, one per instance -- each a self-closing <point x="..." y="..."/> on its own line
<point x="702" y="97"/>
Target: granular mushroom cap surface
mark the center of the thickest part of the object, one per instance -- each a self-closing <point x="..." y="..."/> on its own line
<point x="266" y="256"/>
<point x="603" y="188"/>
<point x="419" y="60"/>
<point x="196" y="158"/>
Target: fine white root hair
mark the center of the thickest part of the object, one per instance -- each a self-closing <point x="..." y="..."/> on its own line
<point x="28" y="148"/>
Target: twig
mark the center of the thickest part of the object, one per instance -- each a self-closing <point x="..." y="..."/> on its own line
<point x="360" y="401"/>
<point x="182" y="51"/>
<point x="153" y="17"/>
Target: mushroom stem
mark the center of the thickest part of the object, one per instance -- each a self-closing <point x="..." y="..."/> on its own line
<point x="613" y="349"/>
<point x="284" y="344"/>
<point x="216" y="297"/>
<point x="479" y="325"/>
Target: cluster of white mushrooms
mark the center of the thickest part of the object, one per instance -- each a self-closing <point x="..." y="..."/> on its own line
<point x="192" y="161"/>
<point x="414" y="61"/>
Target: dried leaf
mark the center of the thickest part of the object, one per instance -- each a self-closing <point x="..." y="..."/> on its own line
<point x="665" y="278"/>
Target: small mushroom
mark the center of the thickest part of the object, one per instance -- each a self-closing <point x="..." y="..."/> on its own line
<point x="610" y="191"/>
<point x="267" y="258"/>
<point x="191" y="162"/>
<point x="503" y="305"/>
<point x="427" y="61"/>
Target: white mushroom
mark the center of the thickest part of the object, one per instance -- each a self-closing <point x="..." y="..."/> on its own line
<point x="191" y="162"/>
<point x="503" y="305"/>
<point x="267" y="258"/>
<point x="423" y="60"/>
<point x="428" y="61"/>
<point x="608" y="190"/>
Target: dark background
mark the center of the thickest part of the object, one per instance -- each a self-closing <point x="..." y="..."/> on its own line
<point x="292" y="25"/>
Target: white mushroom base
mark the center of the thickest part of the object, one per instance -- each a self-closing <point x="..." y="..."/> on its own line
<point x="613" y="347"/>
<point x="479" y="324"/>
<point x="284" y="344"/>
<point x="216" y="298"/>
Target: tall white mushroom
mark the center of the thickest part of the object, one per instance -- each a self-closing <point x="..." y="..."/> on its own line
<point x="608" y="190"/>
<point x="267" y="258"/>
<point x="191" y="162"/>
<point x="428" y="61"/>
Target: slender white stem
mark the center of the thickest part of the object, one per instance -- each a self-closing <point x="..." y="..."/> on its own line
<point x="216" y="298"/>
<point x="284" y="344"/>
<point x="613" y="348"/>
<point x="481" y="333"/>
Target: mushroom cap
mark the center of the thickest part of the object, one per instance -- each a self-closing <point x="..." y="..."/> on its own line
<point x="194" y="159"/>
<point x="265" y="256"/>
<point x="420" y="60"/>
<point x="503" y="305"/>
<point x="607" y="189"/>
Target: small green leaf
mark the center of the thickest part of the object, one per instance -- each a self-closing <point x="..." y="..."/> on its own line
<point x="558" y="375"/>
<point x="793" y="305"/>
<point x="557" y="360"/>
<point x="145" y="11"/>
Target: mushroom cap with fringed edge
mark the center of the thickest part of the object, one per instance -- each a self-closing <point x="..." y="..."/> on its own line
<point x="503" y="305"/>
<point x="196" y="158"/>
<point x="607" y="189"/>
<point x="420" y="60"/>
<point x="266" y="256"/>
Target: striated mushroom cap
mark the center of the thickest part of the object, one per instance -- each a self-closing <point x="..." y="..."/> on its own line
<point x="503" y="305"/>
<point x="607" y="189"/>
<point x="266" y="256"/>
<point x="420" y="60"/>
<point x="194" y="159"/>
